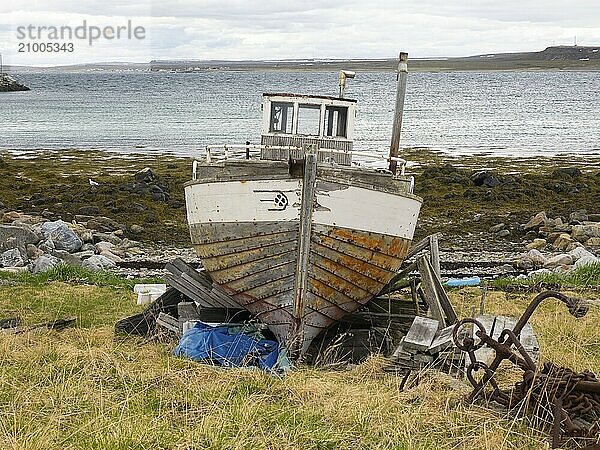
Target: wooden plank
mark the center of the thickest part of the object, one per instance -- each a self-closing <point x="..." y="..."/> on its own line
<point x="241" y="245"/>
<point x="361" y="266"/>
<point x="375" y="258"/>
<point x="382" y="243"/>
<point x="223" y="261"/>
<point x="431" y="293"/>
<point x="421" y="334"/>
<point x="340" y="284"/>
<point x="351" y="276"/>
<point x="442" y="341"/>
<point x="435" y="255"/>
<point x="168" y="322"/>
<point x="215" y="232"/>
<point x="262" y="278"/>
<point x="244" y="270"/>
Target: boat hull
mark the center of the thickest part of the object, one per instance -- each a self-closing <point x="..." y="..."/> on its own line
<point x="250" y="234"/>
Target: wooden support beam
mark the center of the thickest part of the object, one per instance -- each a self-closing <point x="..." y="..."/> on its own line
<point x="435" y="254"/>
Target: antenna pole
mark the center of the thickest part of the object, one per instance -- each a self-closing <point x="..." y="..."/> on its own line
<point x="400" y="93"/>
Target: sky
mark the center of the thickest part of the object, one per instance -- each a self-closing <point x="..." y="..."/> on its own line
<point x="259" y="30"/>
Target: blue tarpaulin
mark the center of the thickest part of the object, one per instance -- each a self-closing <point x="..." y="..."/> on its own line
<point x="227" y="346"/>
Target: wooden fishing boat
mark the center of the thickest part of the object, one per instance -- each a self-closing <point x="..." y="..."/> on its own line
<point x="298" y="236"/>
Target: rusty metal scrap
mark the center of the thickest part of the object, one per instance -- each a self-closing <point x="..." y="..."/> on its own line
<point x="571" y="401"/>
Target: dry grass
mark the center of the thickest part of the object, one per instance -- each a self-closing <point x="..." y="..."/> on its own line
<point x="83" y="389"/>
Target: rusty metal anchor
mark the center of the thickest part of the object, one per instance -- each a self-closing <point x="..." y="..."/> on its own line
<point x="570" y="400"/>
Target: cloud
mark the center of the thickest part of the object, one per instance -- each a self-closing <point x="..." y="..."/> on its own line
<point x="236" y="29"/>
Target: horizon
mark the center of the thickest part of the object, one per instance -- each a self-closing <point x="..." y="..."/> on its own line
<point x="291" y="60"/>
<point x="246" y="30"/>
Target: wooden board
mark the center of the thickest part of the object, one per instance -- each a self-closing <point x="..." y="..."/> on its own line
<point x="421" y="334"/>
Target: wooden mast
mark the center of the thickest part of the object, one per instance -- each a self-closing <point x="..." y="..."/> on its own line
<point x="400" y="93"/>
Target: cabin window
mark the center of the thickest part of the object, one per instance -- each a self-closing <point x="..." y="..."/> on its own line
<point x="282" y="115"/>
<point x="336" y="121"/>
<point x="309" y="120"/>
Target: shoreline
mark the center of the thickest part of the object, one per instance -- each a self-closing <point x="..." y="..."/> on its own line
<point x="62" y="185"/>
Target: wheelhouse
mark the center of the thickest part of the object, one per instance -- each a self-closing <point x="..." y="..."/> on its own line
<point x="295" y="121"/>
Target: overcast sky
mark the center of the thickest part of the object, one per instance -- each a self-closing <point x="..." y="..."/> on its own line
<point x="222" y="29"/>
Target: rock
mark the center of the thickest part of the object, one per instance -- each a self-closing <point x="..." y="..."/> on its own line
<point x="537" y="244"/>
<point x="98" y="262"/>
<point x="594" y="217"/>
<point x="33" y="252"/>
<point x="497" y="228"/>
<point x="578" y="216"/>
<point x="567" y="172"/>
<point x="104" y="246"/>
<point x="107" y="237"/>
<point x="14" y="236"/>
<point x="593" y="242"/>
<point x="103" y="224"/>
<point x="145" y="175"/>
<point x="136" y="229"/>
<point x="582" y="233"/>
<point x="67" y="258"/>
<point x="587" y="261"/>
<point x="82" y="218"/>
<point x="88" y="211"/>
<point x="562" y="242"/>
<point x="536" y="221"/>
<point x="502" y="233"/>
<point x="573" y="245"/>
<point x="9" y="84"/>
<point x="45" y="263"/>
<point x="62" y="236"/>
<point x="563" y="259"/>
<point x="14" y="270"/>
<point x="84" y="254"/>
<point x="111" y="256"/>
<point x="485" y="178"/>
<point x="562" y="269"/>
<point x="88" y="247"/>
<point x="532" y="259"/>
<point x="580" y="252"/>
<point x="12" y="258"/>
<point x="47" y="246"/>
<point x="537" y="272"/>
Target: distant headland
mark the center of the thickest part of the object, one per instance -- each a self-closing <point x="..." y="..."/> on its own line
<point x="552" y="58"/>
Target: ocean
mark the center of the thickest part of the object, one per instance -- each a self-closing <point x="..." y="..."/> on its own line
<point x="493" y="113"/>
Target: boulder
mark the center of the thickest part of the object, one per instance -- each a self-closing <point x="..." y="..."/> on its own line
<point x="563" y="259"/>
<point x="503" y="233"/>
<point x="98" y="262"/>
<point x="103" y="224"/>
<point x="9" y="84"/>
<point x="111" y="256"/>
<point x="104" y="246"/>
<point x="536" y="221"/>
<point x="578" y="216"/>
<point x="45" y="263"/>
<point x="14" y="236"/>
<point x="593" y="242"/>
<point x="12" y="258"/>
<point x="84" y="254"/>
<point x="33" y="252"/>
<point x="136" y="229"/>
<point x="496" y="228"/>
<point x="582" y="233"/>
<point x="567" y="172"/>
<point x="530" y="260"/>
<point x="537" y="244"/>
<point x="62" y="236"/>
<point x="145" y="175"/>
<point x="587" y="261"/>
<point x="562" y="242"/>
<point x="67" y="258"/>
<point x="594" y="217"/>
<point x="107" y="237"/>
<point x="580" y="252"/>
<point x="88" y="211"/>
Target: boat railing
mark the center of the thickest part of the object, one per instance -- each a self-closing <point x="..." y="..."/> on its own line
<point x="237" y="151"/>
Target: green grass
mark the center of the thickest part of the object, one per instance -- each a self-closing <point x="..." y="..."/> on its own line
<point x="586" y="276"/>
<point x="78" y="275"/>
<point x="82" y="388"/>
